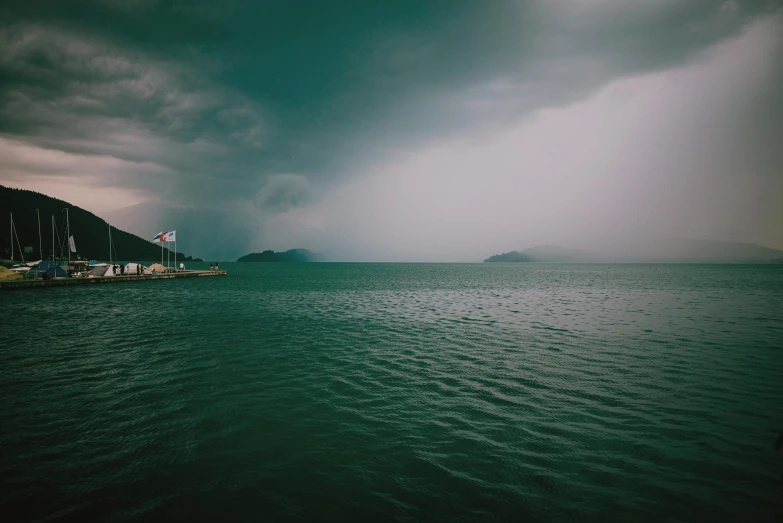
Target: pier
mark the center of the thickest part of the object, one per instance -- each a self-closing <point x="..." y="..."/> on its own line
<point x="63" y="282"/>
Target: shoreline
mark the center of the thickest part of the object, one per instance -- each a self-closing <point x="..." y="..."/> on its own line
<point x="63" y="282"/>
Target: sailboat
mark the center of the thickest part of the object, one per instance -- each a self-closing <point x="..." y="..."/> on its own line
<point x="23" y="267"/>
<point x="39" y="268"/>
<point x="78" y="267"/>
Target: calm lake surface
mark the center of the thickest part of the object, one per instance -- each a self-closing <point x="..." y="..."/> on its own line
<point x="398" y="392"/>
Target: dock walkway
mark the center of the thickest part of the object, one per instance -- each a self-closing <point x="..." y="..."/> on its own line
<point x="62" y="282"/>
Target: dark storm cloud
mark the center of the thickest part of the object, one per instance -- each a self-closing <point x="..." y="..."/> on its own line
<point x="241" y="91"/>
<point x="267" y="103"/>
<point x="283" y="192"/>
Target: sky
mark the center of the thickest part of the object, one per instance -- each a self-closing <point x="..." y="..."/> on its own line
<point x="400" y="131"/>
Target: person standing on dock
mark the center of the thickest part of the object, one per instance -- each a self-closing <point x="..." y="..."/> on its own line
<point x="217" y="266"/>
<point x="211" y="267"/>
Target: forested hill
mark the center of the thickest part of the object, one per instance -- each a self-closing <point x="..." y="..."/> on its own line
<point x="91" y="234"/>
<point x="513" y="256"/>
<point x="293" y="255"/>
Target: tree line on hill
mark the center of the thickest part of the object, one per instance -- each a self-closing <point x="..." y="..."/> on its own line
<point x="513" y="256"/>
<point x="293" y="255"/>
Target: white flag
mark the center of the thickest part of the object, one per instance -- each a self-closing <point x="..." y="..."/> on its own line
<point x="171" y="236"/>
<point x="72" y="244"/>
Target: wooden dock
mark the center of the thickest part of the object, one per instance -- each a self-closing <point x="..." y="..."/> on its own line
<point x="62" y="282"/>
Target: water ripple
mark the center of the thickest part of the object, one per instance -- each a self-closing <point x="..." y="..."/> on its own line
<point x="399" y="392"/>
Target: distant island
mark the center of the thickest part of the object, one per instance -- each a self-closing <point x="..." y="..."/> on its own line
<point x="90" y="233"/>
<point x="648" y="250"/>
<point x="293" y="255"/>
<point x="513" y="256"/>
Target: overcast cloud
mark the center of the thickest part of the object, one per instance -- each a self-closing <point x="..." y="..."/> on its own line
<point x="400" y="130"/>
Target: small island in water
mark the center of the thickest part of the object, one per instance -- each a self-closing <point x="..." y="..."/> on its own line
<point x="293" y="255"/>
<point x="648" y="250"/>
<point x="513" y="256"/>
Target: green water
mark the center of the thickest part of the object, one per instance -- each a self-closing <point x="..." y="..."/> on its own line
<point x="397" y="392"/>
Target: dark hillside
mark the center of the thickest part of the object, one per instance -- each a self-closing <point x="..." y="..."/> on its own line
<point x="91" y="234"/>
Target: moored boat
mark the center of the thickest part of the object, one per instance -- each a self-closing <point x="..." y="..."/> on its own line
<point x="78" y="268"/>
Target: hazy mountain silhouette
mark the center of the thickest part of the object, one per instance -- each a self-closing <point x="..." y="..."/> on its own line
<point x="658" y="250"/>
<point x="683" y="250"/>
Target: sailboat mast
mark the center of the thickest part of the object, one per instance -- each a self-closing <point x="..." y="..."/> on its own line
<point x="13" y="233"/>
<point x="110" y="259"/>
<point x="40" y="243"/>
<point x="68" y="225"/>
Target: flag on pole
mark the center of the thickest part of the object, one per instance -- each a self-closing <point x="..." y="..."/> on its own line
<point x="71" y="244"/>
<point x="166" y="236"/>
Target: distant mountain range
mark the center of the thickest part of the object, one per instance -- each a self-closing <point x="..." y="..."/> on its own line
<point x="658" y="250"/>
<point x="683" y="250"/>
<point x="293" y="255"/>
<point x="91" y="234"/>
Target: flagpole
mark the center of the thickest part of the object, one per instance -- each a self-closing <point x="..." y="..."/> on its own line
<point x="175" y="253"/>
